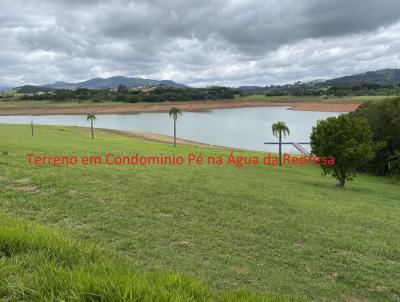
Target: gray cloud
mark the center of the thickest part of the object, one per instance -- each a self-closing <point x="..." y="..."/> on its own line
<point x="196" y="42"/>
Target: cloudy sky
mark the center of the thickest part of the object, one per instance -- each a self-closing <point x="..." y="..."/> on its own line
<point x="196" y="42"/>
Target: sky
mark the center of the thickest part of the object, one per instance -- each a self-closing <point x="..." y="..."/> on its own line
<point x="196" y="42"/>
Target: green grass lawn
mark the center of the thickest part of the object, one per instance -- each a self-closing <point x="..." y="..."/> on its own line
<point x="286" y="231"/>
<point x="39" y="264"/>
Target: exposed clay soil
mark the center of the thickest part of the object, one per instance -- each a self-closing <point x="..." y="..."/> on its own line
<point x="326" y="107"/>
<point x="164" y="107"/>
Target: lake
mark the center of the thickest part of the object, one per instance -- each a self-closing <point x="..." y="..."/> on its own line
<point x="246" y="128"/>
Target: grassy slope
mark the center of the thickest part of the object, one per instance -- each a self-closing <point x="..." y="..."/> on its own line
<point x="38" y="264"/>
<point x="317" y="99"/>
<point x="286" y="230"/>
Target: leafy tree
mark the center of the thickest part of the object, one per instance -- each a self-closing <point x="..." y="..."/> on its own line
<point x="278" y="129"/>
<point x="174" y="112"/>
<point x="384" y="120"/>
<point x="348" y="139"/>
<point x="92" y="118"/>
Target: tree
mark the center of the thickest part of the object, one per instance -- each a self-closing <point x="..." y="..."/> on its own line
<point x="122" y="89"/>
<point x="92" y="118"/>
<point x="174" y="112"/>
<point x="278" y="129"/>
<point x="348" y="139"/>
<point x="383" y="119"/>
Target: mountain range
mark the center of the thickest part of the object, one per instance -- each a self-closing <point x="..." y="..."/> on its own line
<point x="382" y="77"/>
<point x="113" y="82"/>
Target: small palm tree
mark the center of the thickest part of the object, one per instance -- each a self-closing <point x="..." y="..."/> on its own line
<point x="174" y="112"/>
<point x="278" y="129"/>
<point x="92" y="118"/>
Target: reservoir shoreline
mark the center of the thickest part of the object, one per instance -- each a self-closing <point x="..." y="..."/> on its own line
<point x="192" y="106"/>
<point x="245" y="128"/>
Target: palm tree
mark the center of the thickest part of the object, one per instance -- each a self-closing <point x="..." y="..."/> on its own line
<point x="174" y="112"/>
<point x="92" y="118"/>
<point x="278" y="129"/>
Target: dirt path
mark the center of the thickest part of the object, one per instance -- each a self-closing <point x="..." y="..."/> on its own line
<point x="164" y="107"/>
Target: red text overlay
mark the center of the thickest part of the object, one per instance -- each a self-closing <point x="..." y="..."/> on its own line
<point x="233" y="159"/>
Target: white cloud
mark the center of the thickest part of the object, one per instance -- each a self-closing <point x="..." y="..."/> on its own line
<point x="201" y="42"/>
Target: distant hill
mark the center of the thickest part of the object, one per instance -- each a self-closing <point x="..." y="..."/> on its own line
<point x="32" y="89"/>
<point x="383" y="77"/>
<point x="114" y="82"/>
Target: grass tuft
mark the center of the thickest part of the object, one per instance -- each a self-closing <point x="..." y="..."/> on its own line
<point x="39" y="264"/>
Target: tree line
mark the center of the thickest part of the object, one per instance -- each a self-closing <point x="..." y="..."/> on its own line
<point x="322" y="89"/>
<point x="383" y="119"/>
<point x="123" y="94"/>
<point x="162" y="94"/>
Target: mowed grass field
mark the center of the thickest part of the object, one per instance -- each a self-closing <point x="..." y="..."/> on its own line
<point x="274" y="231"/>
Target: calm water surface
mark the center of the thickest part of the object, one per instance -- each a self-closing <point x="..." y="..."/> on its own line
<point x="246" y="128"/>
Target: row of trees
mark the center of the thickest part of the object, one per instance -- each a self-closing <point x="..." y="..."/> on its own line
<point x="363" y="89"/>
<point x="123" y="94"/>
<point x="317" y="89"/>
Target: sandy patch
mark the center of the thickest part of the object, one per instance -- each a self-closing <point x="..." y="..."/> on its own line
<point x="160" y="138"/>
<point x="324" y="107"/>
